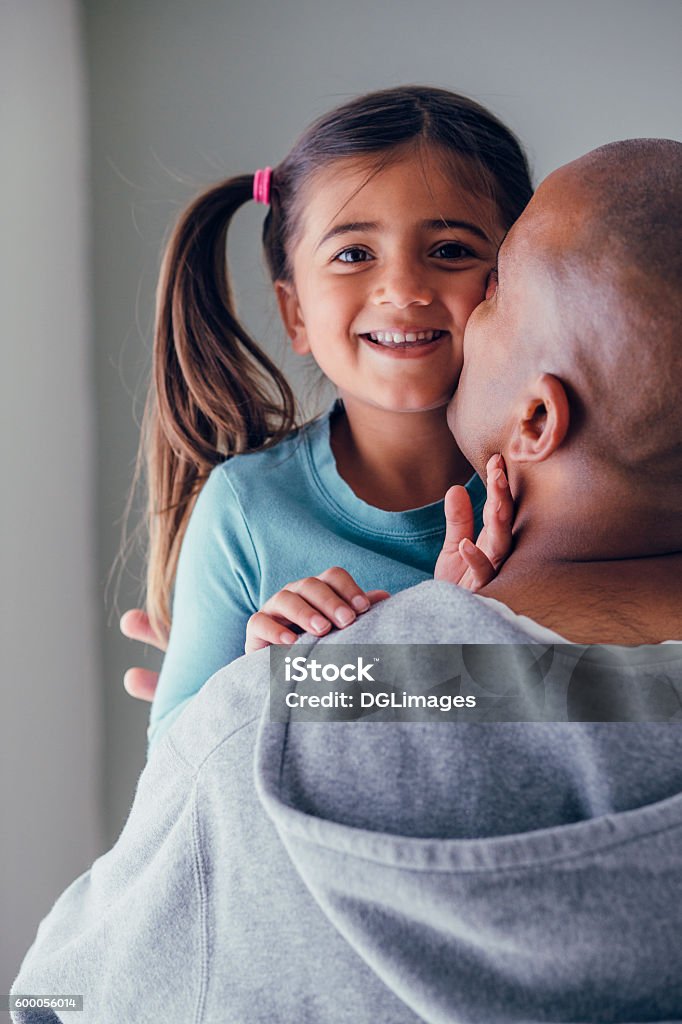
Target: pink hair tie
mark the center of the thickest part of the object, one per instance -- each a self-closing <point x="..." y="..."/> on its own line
<point x="261" y="185"/>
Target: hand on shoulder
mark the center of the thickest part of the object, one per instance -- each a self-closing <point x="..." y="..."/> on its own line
<point x="462" y="562"/>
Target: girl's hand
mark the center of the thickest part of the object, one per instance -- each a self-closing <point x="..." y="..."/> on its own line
<point x="312" y="605"/>
<point x="141" y="682"/>
<point x="470" y="565"/>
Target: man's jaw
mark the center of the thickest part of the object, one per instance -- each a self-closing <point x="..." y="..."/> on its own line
<point x="471" y="452"/>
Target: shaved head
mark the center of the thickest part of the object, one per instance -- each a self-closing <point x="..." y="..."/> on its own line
<point x="636" y="189"/>
<point x="610" y="233"/>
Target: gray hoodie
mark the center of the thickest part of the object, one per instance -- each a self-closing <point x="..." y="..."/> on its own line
<point x="384" y="872"/>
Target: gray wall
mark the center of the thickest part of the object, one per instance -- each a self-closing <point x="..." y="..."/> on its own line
<point x="50" y="683"/>
<point x="181" y="93"/>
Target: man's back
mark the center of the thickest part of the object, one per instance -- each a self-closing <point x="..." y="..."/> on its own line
<point x="403" y="871"/>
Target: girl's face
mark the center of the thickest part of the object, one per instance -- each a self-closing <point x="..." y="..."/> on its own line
<point x="385" y="274"/>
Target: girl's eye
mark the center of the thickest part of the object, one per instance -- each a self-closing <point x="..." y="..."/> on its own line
<point x="453" y="251"/>
<point x="354" y="254"/>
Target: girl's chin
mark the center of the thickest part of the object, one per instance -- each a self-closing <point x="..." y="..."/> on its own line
<point x="408" y="404"/>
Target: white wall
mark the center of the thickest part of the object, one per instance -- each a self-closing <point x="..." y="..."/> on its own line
<point x="50" y="683"/>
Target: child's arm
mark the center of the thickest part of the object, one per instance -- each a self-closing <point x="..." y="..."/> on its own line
<point x="217" y="588"/>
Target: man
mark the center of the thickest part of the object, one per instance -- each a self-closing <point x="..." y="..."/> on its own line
<point x="476" y="871"/>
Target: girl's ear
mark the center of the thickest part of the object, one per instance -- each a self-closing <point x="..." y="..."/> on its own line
<point x="540" y="421"/>
<point x="292" y="317"/>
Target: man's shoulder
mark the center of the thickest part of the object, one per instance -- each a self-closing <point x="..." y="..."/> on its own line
<point x="433" y="612"/>
<point x="231" y="701"/>
<point x="430" y="613"/>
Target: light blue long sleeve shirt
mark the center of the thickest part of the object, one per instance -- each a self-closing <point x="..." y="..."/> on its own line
<point x="264" y="520"/>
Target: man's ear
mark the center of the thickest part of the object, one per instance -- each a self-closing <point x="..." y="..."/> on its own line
<point x="292" y="317"/>
<point x="541" y="421"/>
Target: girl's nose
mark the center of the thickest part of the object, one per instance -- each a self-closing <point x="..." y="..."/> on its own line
<point x="403" y="286"/>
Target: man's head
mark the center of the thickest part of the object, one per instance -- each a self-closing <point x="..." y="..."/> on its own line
<point x="576" y="354"/>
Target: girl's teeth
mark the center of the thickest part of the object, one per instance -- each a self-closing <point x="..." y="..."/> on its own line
<point x="399" y="338"/>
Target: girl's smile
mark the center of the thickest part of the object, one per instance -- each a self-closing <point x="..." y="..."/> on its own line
<point x="406" y="335"/>
<point x="387" y="267"/>
<point x="406" y="343"/>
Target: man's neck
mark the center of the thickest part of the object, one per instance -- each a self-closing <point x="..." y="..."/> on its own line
<point x="609" y="575"/>
<point x="635" y="601"/>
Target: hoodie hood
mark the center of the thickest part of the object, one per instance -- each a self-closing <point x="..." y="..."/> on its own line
<point x="494" y="871"/>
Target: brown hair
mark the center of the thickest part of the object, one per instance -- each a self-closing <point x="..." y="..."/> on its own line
<point x="214" y="393"/>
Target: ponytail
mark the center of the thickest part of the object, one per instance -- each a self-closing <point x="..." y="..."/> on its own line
<point x="214" y="393"/>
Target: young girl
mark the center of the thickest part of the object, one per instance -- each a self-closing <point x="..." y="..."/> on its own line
<point x="382" y="227"/>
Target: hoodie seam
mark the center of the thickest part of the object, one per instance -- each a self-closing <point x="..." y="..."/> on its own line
<point x="200" y="882"/>
<point x="197" y="767"/>
<point x="536" y="864"/>
<point x="230" y="487"/>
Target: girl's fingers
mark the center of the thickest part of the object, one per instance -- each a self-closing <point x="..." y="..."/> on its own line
<point x="459" y="525"/>
<point x="311" y="605"/>
<point x="135" y="625"/>
<point x="263" y="630"/>
<point x="459" y="518"/>
<point x="480" y="570"/>
<point x="461" y="561"/>
<point x="141" y="683"/>
<point x="347" y="589"/>
<point x="496" y="539"/>
<point x="335" y="594"/>
<point x="290" y="608"/>
<point x="254" y="644"/>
